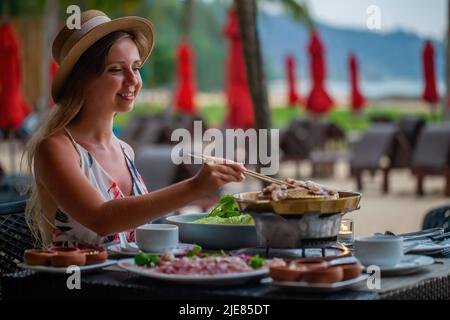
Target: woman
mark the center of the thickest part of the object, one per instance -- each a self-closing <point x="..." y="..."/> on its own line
<point x="87" y="188"/>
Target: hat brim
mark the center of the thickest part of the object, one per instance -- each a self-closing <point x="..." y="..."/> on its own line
<point x="133" y="25"/>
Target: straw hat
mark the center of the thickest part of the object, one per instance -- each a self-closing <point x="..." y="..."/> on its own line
<point x="69" y="44"/>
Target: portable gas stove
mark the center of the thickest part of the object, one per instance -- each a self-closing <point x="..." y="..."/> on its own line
<point x="325" y="248"/>
<point x="297" y="228"/>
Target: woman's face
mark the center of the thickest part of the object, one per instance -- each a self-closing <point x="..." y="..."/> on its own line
<point x="118" y="85"/>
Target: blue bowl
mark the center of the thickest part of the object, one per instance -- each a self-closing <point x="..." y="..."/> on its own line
<point x="213" y="236"/>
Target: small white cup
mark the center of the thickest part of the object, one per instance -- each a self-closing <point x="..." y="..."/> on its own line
<point x="157" y="237"/>
<point x="383" y="251"/>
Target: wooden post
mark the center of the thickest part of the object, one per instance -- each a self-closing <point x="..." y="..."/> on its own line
<point x="446" y="96"/>
<point x="447" y="182"/>
<point x="246" y="12"/>
<point x="50" y="26"/>
<point x="420" y="178"/>
<point x="386" y="180"/>
<point x="358" y="176"/>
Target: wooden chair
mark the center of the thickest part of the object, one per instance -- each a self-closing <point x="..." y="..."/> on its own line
<point x="155" y="166"/>
<point x="305" y="140"/>
<point x="394" y="142"/>
<point x="436" y="218"/>
<point x="432" y="155"/>
<point x="367" y="154"/>
<point x="294" y="143"/>
<point x="158" y="171"/>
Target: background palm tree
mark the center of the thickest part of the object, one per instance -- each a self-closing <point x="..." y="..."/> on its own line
<point x="247" y="16"/>
<point x="445" y="108"/>
<point x="187" y="18"/>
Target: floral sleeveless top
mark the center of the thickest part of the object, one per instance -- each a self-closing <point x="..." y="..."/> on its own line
<point x="69" y="231"/>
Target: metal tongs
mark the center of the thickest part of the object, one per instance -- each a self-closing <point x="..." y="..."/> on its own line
<point x="247" y="172"/>
<point x="433" y="234"/>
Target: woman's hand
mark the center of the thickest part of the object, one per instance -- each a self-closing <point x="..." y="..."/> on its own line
<point x="214" y="174"/>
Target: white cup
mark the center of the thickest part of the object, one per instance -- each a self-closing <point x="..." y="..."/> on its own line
<point x="383" y="251"/>
<point x="157" y="237"/>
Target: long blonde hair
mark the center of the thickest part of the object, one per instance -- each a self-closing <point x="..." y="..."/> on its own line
<point x="89" y="66"/>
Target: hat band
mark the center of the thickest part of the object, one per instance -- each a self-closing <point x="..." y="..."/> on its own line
<point x="79" y="33"/>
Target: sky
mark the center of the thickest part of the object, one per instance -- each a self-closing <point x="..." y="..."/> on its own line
<point x="424" y="17"/>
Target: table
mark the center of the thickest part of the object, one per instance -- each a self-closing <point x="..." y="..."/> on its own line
<point x="431" y="283"/>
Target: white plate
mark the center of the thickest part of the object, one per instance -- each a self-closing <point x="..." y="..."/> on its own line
<point x="410" y="263"/>
<point x="50" y="269"/>
<point x="227" y="278"/>
<point x="179" y="249"/>
<point x="314" y="287"/>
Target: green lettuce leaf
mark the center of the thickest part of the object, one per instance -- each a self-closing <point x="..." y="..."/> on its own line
<point x="226" y="212"/>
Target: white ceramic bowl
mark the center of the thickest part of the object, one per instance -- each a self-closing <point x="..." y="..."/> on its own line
<point x="157" y="237"/>
<point x="383" y="251"/>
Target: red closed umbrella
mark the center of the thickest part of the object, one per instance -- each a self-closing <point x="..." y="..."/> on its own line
<point x="184" y="98"/>
<point x="53" y="68"/>
<point x="293" y="97"/>
<point x="357" y="99"/>
<point x="430" y="92"/>
<point x="240" y="107"/>
<point x="318" y="101"/>
<point x="13" y="107"/>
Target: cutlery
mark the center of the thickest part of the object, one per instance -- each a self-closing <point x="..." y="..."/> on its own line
<point x="422" y="234"/>
<point x="441" y="244"/>
<point x="125" y="245"/>
<point x="248" y="172"/>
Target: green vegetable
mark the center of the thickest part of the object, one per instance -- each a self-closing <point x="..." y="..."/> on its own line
<point x="242" y="219"/>
<point x="146" y="260"/>
<point x="256" y="262"/>
<point x="196" y="250"/>
<point x="226" y="208"/>
<point x="226" y="212"/>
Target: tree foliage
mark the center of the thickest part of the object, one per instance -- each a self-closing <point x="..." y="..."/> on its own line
<point x="205" y="32"/>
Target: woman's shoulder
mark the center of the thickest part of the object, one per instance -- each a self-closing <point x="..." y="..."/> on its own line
<point x="56" y="139"/>
<point x="57" y="144"/>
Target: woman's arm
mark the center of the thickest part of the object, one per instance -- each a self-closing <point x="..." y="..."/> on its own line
<point x="57" y="168"/>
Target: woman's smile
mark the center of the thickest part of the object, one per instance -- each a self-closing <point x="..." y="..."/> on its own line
<point x="127" y="96"/>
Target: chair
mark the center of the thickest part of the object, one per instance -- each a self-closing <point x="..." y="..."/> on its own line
<point x="13" y="188"/>
<point x="328" y="142"/>
<point x="380" y="119"/>
<point x="295" y="142"/>
<point x="133" y="130"/>
<point x="158" y="171"/>
<point x="152" y="132"/>
<point x="432" y="156"/>
<point x="156" y="166"/>
<point x="15" y="236"/>
<point x="436" y="218"/>
<point x="367" y="154"/>
<point x="411" y="126"/>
